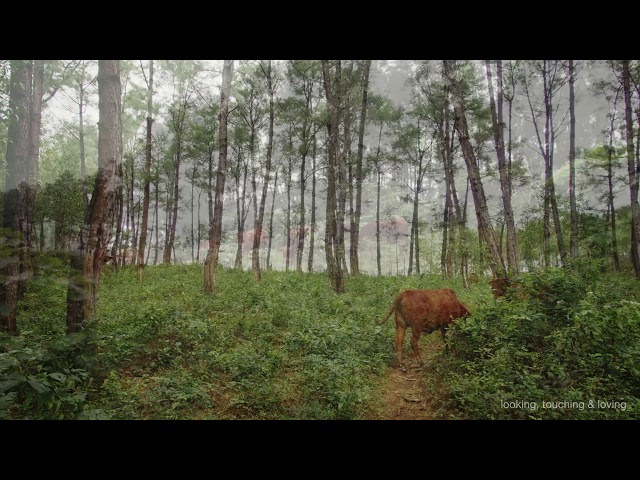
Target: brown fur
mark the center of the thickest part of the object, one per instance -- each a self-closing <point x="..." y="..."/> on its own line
<point x="423" y="311"/>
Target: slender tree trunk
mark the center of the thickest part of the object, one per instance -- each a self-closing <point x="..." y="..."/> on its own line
<point x="573" y="239"/>
<point x="379" y="175"/>
<point x="215" y="232"/>
<point x="115" y="250"/>
<point x="91" y="248"/>
<point x="199" y="228"/>
<point x="127" y="216"/>
<point x="498" y="137"/>
<point x="332" y="90"/>
<point x="612" y="210"/>
<point x="83" y="165"/>
<point x="445" y="230"/>
<point x="477" y="190"/>
<point x="355" y="226"/>
<point x="342" y="160"/>
<point x="312" y="225"/>
<point x="303" y="185"/>
<point x="35" y="117"/>
<point x="150" y="242"/>
<point x="632" y="171"/>
<point x="460" y="217"/>
<point x="176" y="192"/>
<point x="378" y="253"/>
<point x="241" y="220"/>
<point x="147" y="180"/>
<point x="554" y="201"/>
<point x="157" y="222"/>
<point x="288" y="212"/>
<point x="16" y="177"/>
<point x="132" y="212"/>
<point x="193" y="251"/>
<point x="257" y="237"/>
<point x="273" y="203"/>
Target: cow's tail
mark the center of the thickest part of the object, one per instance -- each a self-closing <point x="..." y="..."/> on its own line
<point x="382" y="320"/>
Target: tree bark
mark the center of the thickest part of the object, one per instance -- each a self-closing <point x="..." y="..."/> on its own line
<point x="147" y="180"/>
<point x="14" y="198"/>
<point x="460" y="217"/>
<point x="257" y="234"/>
<point x="332" y="91"/>
<point x="632" y="171"/>
<point x="273" y="203"/>
<point x="477" y="190"/>
<point x="573" y="239"/>
<point x="215" y="232"/>
<point x="88" y="257"/>
<point x="312" y="224"/>
<point x="288" y="216"/>
<point x="498" y="137"/>
<point x="355" y="226"/>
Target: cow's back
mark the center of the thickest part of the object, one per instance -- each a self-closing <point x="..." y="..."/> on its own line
<point x="428" y="310"/>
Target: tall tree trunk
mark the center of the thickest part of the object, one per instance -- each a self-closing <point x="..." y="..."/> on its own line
<point x="257" y="236"/>
<point x="632" y="171"/>
<point x="445" y="230"/>
<point x="157" y="221"/>
<point x="115" y="250"/>
<point x="332" y="90"/>
<point x="147" y="180"/>
<point x="288" y="227"/>
<point x="88" y="257"/>
<point x="132" y="212"/>
<point x="16" y="177"/>
<point x="35" y="117"/>
<point x="312" y="225"/>
<point x="460" y="216"/>
<point x="573" y="239"/>
<point x="273" y="203"/>
<point x="242" y="215"/>
<point x="498" y="137"/>
<point x="477" y="190"/>
<point x="355" y="226"/>
<point x="176" y="192"/>
<point x="378" y="253"/>
<point x="215" y="232"/>
<point x="83" y="165"/>
<point x="303" y="185"/>
<point x="342" y="160"/>
<point x="552" y="196"/>
<point x="34" y="149"/>
<point x="126" y="236"/>
<point x="379" y="175"/>
<point x="193" y="242"/>
<point x="199" y="228"/>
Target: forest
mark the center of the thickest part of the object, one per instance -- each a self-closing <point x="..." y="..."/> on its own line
<point x="219" y="239"/>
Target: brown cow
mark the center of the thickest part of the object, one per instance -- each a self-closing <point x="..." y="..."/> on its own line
<point x="423" y="311"/>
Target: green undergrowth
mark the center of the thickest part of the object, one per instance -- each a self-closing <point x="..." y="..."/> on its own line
<point x="290" y="348"/>
<point x="284" y="348"/>
<point x="568" y="348"/>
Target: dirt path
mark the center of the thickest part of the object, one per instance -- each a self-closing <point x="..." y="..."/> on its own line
<point x="409" y="395"/>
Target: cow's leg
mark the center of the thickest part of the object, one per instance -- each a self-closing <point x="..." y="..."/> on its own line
<point x="400" y="331"/>
<point x="415" y="338"/>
